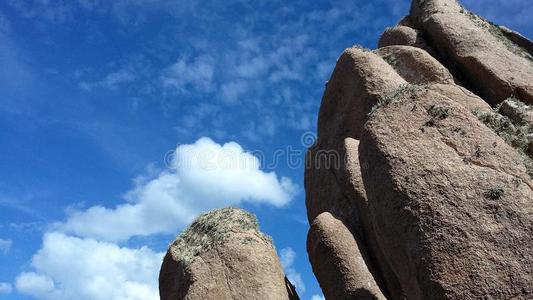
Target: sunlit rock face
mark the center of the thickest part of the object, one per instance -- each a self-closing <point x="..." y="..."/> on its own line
<point x="419" y="185"/>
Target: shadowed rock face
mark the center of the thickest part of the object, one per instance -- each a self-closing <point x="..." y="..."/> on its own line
<point x="417" y="188"/>
<point x="330" y="245"/>
<point x="222" y="255"/>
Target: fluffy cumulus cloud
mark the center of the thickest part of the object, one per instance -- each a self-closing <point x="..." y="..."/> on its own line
<point x="5" y="288"/>
<point x="68" y="267"/>
<point x="202" y="176"/>
<point x="318" y="297"/>
<point x="34" y="284"/>
<point x="287" y="257"/>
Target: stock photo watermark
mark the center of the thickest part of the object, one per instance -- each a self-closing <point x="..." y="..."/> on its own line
<point x="231" y="158"/>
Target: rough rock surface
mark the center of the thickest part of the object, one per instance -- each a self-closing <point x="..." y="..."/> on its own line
<point x="530" y="145"/>
<point x="402" y="35"/>
<point x="518" y="39"/>
<point x="517" y="111"/>
<point x="495" y="66"/>
<point x="452" y="207"/>
<point x="358" y="81"/>
<point x="337" y="261"/>
<point x="419" y="185"/>
<point x="461" y="95"/>
<point x="222" y="255"/>
<point x="415" y="65"/>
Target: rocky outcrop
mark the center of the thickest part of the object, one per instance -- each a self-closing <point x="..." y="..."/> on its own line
<point x="222" y="255"/>
<point x="493" y="65"/>
<point x="419" y="185"/>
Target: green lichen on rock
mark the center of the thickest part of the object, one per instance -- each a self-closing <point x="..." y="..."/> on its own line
<point x="516" y="110"/>
<point x="513" y="134"/>
<point x="521" y="106"/>
<point x="361" y="47"/>
<point x="494" y="193"/>
<point x="391" y="59"/>
<point x="216" y="228"/>
<point x="437" y="113"/>
<point x="528" y="162"/>
<point x="516" y="136"/>
<point x="405" y="90"/>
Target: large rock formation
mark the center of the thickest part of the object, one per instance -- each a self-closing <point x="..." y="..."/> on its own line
<point x="222" y="255"/>
<point x="417" y="188"/>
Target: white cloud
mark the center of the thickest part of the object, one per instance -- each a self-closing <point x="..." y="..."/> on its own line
<point x="34" y="284"/>
<point x="67" y="267"/>
<point x="287" y="257"/>
<point x="5" y="246"/>
<point x="5" y="288"/>
<point x="318" y="297"/>
<point x="233" y="90"/>
<point x="52" y="11"/>
<point x="186" y="75"/>
<point x="253" y="67"/>
<point x="203" y="176"/>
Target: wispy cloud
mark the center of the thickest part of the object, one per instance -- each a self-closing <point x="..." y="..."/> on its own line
<point x="5" y="246"/>
<point x="5" y="25"/>
<point x="188" y="75"/>
<point x="232" y="91"/>
<point x="111" y="81"/>
<point x="287" y="257"/>
<point x="252" y="73"/>
<point x="21" y="204"/>
<point x="52" y="11"/>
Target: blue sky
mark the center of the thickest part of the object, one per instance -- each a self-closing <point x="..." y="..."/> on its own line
<point x="106" y="108"/>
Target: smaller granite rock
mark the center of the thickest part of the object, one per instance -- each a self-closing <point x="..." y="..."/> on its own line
<point x="222" y="255"/>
